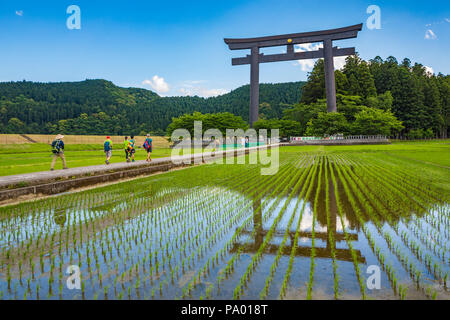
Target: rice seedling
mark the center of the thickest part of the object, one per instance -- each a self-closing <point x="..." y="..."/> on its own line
<point x="225" y="231"/>
<point x="313" y="251"/>
<point x="297" y="232"/>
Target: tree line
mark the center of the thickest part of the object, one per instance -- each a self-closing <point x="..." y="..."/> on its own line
<point x="372" y="92"/>
<point x="373" y="97"/>
<point x="376" y="97"/>
<point x="100" y="107"/>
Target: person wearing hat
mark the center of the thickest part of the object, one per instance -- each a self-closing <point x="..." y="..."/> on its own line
<point x="58" y="151"/>
<point x="107" y="145"/>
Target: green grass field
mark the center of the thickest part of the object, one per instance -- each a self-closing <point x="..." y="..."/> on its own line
<point x="26" y="158"/>
<point x="429" y="152"/>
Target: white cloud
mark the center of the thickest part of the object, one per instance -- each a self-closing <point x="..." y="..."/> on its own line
<point x="19" y="13"/>
<point x="430" y="35"/>
<point x="308" y="64"/>
<point x="157" y="83"/>
<point x="438" y="22"/>
<point x="339" y="62"/>
<point x="194" y="88"/>
<point x="190" y="90"/>
<point x="186" y="88"/>
<point x="429" y="70"/>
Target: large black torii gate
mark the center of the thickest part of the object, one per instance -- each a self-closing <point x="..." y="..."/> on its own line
<point x="328" y="52"/>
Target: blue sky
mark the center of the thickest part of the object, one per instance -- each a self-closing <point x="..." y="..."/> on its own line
<point x="177" y="48"/>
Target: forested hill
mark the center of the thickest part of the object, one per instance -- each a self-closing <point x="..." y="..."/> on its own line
<point x="100" y="107"/>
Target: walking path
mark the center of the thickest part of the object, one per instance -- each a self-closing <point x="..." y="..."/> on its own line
<point x="36" y="177"/>
<point x="30" y="179"/>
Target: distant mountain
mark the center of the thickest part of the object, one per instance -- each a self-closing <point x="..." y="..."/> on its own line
<point x="100" y="107"/>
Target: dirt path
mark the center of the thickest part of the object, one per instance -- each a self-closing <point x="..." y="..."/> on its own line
<point x="28" y="138"/>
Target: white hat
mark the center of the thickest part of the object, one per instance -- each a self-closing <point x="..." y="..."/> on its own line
<point x="59" y="136"/>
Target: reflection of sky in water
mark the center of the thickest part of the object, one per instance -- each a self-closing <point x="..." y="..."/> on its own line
<point x="307" y="222"/>
<point x="184" y="209"/>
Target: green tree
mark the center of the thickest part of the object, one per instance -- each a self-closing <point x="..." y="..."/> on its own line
<point x="415" y="134"/>
<point x="221" y="121"/>
<point x="382" y="101"/>
<point x="361" y="81"/>
<point x="349" y="106"/>
<point x="15" y="126"/>
<point x="328" y="123"/>
<point x="315" y="87"/>
<point x="302" y="113"/>
<point x="408" y="100"/>
<point x="100" y="107"/>
<point x="444" y="114"/>
<point x="354" y="88"/>
<point x="288" y="128"/>
<point x="365" y="80"/>
<point x="372" y="121"/>
<point x="341" y="81"/>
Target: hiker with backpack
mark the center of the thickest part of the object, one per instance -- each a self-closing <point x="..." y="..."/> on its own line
<point x="148" y="146"/>
<point x="58" y="151"/>
<point x="107" y="145"/>
<point x="131" y="149"/>
<point x="125" y="147"/>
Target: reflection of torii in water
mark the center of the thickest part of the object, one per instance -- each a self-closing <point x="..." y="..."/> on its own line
<point x="341" y="254"/>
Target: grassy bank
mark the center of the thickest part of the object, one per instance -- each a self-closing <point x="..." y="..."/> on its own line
<point x="26" y="158"/>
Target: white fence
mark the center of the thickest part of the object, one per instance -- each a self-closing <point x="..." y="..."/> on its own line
<point x="340" y="137"/>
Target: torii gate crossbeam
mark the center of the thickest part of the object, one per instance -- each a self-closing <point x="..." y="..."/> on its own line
<point x="289" y="40"/>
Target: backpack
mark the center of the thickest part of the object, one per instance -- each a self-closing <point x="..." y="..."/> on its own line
<point x="107" y="145"/>
<point x="147" y="143"/>
<point x="56" y="146"/>
<point x="130" y="145"/>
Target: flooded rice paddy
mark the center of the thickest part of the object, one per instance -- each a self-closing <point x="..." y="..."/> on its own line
<point x="315" y="230"/>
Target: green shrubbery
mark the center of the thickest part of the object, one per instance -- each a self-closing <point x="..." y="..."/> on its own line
<point x="221" y="121"/>
<point x="421" y="134"/>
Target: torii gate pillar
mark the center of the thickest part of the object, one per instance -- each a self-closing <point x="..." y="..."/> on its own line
<point x="254" y="86"/>
<point x="330" y="85"/>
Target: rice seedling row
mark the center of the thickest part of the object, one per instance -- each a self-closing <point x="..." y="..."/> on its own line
<point x="415" y="246"/>
<point x="225" y="231"/>
<point x="404" y="256"/>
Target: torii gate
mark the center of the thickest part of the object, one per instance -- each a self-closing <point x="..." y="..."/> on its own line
<point x="328" y="52"/>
